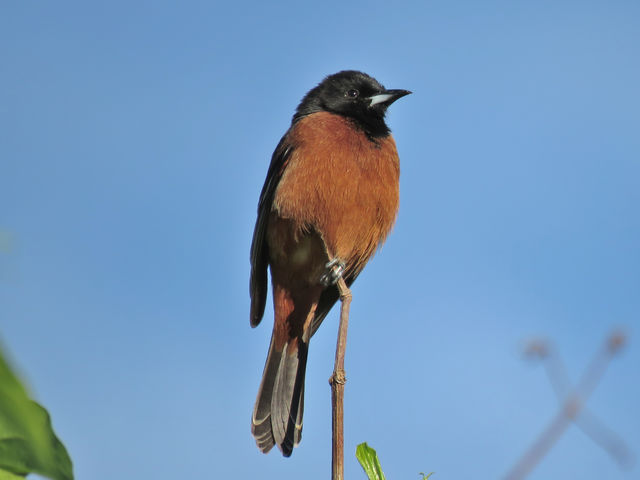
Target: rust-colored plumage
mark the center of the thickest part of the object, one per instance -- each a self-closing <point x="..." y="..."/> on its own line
<point x="331" y="193"/>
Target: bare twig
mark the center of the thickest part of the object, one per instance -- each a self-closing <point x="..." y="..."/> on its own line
<point x="337" y="382"/>
<point x="587" y="422"/>
<point x="572" y="404"/>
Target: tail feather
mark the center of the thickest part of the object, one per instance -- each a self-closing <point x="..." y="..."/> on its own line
<point x="261" y="418"/>
<point x="277" y="415"/>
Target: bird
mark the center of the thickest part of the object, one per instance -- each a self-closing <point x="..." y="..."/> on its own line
<point x="329" y="200"/>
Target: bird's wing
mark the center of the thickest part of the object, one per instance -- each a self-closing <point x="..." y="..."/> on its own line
<point x="259" y="250"/>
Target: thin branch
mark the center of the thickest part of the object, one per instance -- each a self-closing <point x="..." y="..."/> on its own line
<point x="571" y="407"/>
<point x="337" y="381"/>
<point x="587" y="421"/>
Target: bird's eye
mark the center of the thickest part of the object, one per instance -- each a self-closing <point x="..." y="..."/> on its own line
<point x="353" y="93"/>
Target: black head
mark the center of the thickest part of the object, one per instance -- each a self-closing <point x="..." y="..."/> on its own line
<point x="354" y="95"/>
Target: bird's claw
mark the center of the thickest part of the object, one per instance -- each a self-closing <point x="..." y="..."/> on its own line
<point x="333" y="272"/>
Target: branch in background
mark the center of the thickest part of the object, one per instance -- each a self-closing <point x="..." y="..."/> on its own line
<point x="587" y="422"/>
<point x="572" y="404"/>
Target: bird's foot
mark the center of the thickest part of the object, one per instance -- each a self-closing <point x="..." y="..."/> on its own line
<point x="333" y="272"/>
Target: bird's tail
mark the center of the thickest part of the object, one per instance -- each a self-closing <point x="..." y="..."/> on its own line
<point x="277" y="414"/>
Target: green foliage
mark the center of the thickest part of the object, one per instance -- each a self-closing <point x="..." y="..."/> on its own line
<point x="27" y="441"/>
<point x="368" y="458"/>
<point x="4" y="475"/>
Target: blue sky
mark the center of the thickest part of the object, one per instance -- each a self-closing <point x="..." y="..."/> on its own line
<point x="134" y="140"/>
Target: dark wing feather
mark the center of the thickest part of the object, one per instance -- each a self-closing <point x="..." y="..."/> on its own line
<point x="259" y="250"/>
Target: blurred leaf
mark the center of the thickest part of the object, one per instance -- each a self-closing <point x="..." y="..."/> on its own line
<point x="369" y="460"/>
<point x="6" y="243"/>
<point x="4" y="475"/>
<point x="426" y="477"/>
<point x="27" y="441"/>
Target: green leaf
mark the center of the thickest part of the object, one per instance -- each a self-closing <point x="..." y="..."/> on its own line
<point x="27" y="441"/>
<point x="369" y="460"/>
<point x="4" y="475"/>
<point x="426" y="477"/>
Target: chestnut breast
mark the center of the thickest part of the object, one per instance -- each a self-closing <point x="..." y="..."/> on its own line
<point x="340" y="184"/>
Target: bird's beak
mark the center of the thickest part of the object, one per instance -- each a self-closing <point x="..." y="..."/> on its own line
<point x="387" y="97"/>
